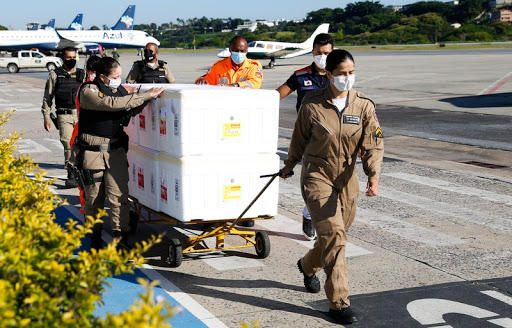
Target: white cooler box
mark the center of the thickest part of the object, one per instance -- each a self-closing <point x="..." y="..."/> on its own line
<point x="191" y="120"/>
<point x="132" y="131"/>
<point x="144" y="176"/>
<point x="217" y="187"/>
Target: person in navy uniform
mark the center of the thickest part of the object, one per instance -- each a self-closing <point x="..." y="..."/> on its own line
<point x="304" y="81"/>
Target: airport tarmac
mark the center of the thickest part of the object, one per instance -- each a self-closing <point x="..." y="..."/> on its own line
<point x="433" y="250"/>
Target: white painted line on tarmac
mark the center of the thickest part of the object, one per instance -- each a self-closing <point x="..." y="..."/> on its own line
<point x="499" y="296"/>
<point x="463" y="213"/>
<point x="286" y="227"/>
<point x="171" y="289"/>
<point x="406" y="230"/>
<point x="221" y="262"/>
<point x="184" y="299"/>
<point x="496" y="85"/>
<point x="30" y="146"/>
<point x="445" y="185"/>
<point x="55" y="142"/>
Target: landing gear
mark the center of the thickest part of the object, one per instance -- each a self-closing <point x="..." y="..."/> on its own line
<point x="272" y="62"/>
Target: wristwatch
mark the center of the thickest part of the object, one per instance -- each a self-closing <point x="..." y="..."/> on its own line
<point x="236" y="85"/>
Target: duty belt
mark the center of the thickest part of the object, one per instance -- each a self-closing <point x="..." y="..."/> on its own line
<point x="103" y="147"/>
<point x="64" y="111"/>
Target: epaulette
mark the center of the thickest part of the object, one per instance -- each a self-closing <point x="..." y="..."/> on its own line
<point x="303" y="71"/>
<point x="362" y="96"/>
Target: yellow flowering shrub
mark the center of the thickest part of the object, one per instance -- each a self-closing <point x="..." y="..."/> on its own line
<point x="42" y="283"/>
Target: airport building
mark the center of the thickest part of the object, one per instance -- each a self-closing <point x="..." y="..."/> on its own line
<point x="503" y="15"/>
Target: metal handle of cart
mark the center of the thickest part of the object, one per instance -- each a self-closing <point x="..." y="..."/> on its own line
<point x="273" y="176"/>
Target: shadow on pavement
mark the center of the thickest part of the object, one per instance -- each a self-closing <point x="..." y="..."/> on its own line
<point x="493" y="100"/>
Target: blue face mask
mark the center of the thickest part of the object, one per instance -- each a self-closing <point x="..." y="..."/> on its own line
<point x="238" y="57"/>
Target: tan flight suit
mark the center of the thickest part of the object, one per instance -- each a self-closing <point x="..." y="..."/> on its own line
<point x="66" y="121"/>
<point x="135" y="73"/>
<point x="328" y="144"/>
<point x="110" y="167"/>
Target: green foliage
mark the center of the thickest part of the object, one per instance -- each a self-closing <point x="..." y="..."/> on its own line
<point x="42" y="283"/>
<point x="3" y="28"/>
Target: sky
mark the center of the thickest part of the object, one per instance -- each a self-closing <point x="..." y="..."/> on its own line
<point x="98" y="12"/>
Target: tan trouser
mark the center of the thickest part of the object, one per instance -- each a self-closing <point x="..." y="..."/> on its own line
<point x="110" y="183"/>
<point x="66" y="124"/>
<point x="332" y="213"/>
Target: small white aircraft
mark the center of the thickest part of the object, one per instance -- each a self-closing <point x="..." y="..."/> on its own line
<point x="278" y="50"/>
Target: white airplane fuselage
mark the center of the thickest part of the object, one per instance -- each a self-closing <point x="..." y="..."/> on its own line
<point x="50" y="40"/>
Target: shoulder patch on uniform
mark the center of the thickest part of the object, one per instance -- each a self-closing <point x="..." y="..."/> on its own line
<point x="258" y="75"/>
<point x="379" y="133"/>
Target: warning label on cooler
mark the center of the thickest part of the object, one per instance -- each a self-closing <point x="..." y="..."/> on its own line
<point x="231" y="129"/>
<point x="142" y="121"/>
<point x="163" y="127"/>
<point x="232" y="191"/>
<point x="140" y="178"/>
<point x="163" y="190"/>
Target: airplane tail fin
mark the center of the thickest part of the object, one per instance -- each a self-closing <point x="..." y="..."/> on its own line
<point x="50" y="25"/>
<point x="34" y="27"/>
<point x="76" y="24"/>
<point x="324" y="28"/>
<point x="126" y="20"/>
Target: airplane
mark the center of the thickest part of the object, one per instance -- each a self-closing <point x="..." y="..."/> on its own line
<point x="125" y="22"/>
<point x="85" y="41"/>
<point x="50" y="25"/>
<point x="278" y="50"/>
<point x="76" y="24"/>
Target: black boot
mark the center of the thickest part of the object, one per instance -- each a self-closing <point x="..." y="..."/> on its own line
<point x="125" y="243"/>
<point x="71" y="181"/>
<point x="96" y="242"/>
<point x="344" y="316"/>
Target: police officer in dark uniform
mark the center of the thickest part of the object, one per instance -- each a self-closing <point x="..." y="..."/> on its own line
<point x="62" y="84"/>
<point x="101" y="146"/>
<point x="150" y="70"/>
<point x="304" y="81"/>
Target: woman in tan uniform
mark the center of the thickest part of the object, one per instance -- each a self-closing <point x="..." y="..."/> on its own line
<point x="333" y="125"/>
<point x="101" y="146"/>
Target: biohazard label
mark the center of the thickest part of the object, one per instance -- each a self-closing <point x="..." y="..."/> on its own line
<point x="142" y="121"/>
<point x="232" y="191"/>
<point x="163" y="190"/>
<point x="140" y="178"/>
<point x="163" y="127"/>
<point x="231" y="130"/>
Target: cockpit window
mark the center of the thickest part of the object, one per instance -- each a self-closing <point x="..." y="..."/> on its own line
<point x="145" y="34"/>
<point x="260" y="45"/>
<point x="251" y="44"/>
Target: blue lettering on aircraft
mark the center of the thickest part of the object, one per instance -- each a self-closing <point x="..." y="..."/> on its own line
<point x="112" y="35"/>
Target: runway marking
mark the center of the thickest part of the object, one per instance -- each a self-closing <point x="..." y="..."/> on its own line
<point x="55" y="142"/>
<point x="396" y="226"/>
<point x="445" y="185"/>
<point x="466" y="214"/>
<point x="499" y="296"/>
<point x="221" y="261"/>
<point x="171" y="289"/>
<point x="406" y="230"/>
<point x="30" y="146"/>
<point x="286" y="227"/>
<point x="496" y="85"/>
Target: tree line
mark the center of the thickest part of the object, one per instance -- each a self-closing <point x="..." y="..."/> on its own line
<point x="359" y="23"/>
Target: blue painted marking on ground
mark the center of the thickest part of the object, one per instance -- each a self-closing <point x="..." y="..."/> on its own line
<point x="125" y="288"/>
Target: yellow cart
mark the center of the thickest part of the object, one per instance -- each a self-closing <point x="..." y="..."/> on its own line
<point x="217" y="229"/>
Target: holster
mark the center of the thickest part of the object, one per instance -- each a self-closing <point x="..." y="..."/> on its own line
<point x="54" y="120"/>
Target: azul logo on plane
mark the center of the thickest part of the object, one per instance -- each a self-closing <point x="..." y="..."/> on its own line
<point x="76" y="26"/>
<point x="128" y="21"/>
<point x="112" y="35"/>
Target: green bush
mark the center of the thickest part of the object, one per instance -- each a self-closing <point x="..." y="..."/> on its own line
<point x="42" y="283"/>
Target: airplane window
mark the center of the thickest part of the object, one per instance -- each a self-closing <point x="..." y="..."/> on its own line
<point x="269" y="46"/>
<point x="279" y="47"/>
<point x="259" y="45"/>
<point x="251" y="44"/>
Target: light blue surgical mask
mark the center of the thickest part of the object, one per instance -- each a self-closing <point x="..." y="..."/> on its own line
<point x="238" y="57"/>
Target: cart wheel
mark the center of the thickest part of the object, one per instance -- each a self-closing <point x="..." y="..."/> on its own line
<point x="175" y="253"/>
<point x="262" y="244"/>
<point x="134" y="219"/>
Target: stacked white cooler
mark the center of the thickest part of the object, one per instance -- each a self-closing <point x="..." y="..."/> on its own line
<point x="206" y="148"/>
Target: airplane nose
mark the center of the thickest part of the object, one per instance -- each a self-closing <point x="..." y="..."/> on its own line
<point x="155" y="41"/>
<point x="224" y="53"/>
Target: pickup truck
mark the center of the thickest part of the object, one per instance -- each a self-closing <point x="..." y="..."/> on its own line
<point x="29" y="59"/>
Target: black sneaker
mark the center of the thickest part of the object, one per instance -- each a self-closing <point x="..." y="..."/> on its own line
<point x="344" y="316"/>
<point x="312" y="284"/>
<point x="247" y="224"/>
<point x="307" y="229"/>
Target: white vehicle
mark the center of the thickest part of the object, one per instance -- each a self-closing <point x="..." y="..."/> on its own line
<point x="29" y="59"/>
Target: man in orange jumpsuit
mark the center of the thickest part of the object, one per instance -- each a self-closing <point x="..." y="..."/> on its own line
<point x="236" y="70"/>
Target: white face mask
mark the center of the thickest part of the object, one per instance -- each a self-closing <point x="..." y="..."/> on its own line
<point x="320" y="61"/>
<point x="114" y="83"/>
<point x="344" y="83"/>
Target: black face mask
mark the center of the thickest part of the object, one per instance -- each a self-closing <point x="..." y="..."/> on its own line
<point x="148" y="55"/>
<point x="70" y="63"/>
